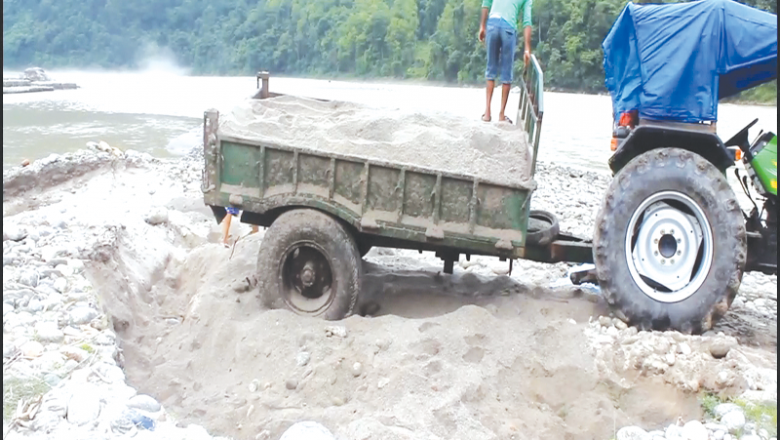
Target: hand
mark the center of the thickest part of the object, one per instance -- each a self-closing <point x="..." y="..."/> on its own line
<point x="527" y="57"/>
<point x="482" y="34"/>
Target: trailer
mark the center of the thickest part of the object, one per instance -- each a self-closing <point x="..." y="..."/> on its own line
<point x="325" y="211"/>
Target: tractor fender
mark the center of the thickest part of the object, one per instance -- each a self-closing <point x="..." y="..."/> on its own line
<point x="646" y="138"/>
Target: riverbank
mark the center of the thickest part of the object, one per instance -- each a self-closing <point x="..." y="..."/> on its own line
<point x="118" y="302"/>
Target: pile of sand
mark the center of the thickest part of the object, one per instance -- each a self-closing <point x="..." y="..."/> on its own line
<point x="493" y="152"/>
<point x="438" y="367"/>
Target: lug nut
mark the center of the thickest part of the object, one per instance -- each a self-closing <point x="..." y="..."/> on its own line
<point x="679" y="253"/>
<point x="679" y="240"/>
<point x="656" y="253"/>
<point x="663" y="261"/>
<point x="671" y="262"/>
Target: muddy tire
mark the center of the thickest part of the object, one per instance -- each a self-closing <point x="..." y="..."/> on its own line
<point x="543" y="228"/>
<point x="670" y="243"/>
<point x="309" y="263"/>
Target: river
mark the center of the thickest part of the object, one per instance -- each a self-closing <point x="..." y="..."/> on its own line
<point x="160" y="112"/>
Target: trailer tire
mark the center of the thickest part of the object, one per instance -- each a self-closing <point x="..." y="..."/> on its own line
<point x="543" y="228"/>
<point x="668" y="181"/>
<point x="310" y="264"/>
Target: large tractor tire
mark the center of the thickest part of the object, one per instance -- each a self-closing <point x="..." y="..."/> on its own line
<point x="670" y="243"/>
<point x="310" y="264"/>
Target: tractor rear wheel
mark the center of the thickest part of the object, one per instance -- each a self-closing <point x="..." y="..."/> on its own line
<point x="670" y="243"/>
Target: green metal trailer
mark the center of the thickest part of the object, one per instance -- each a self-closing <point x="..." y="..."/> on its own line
<point x="325" y="211"/>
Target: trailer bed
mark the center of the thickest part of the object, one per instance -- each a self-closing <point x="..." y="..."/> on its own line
<point x="395" y="185"/>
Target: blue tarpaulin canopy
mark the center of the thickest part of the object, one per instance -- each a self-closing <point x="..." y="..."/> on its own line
<point x="675" y="61"/>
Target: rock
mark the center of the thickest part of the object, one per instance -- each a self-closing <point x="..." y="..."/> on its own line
<point x="74" y="353"/>
<point x="105" y="338"/>
<point x="35" y="305"/>
<point x="357" y="369"/>
<point x="157" y="216"/>
<point x="49" y="332"/>
<point x="144" y="402"/>
<point x="725" y="408"/>
<point x="605" y="321"/>
<point x="674" y="432"/>
<point x="633" y="433"/>
<point x="82" y="315"/>
<point x="52" y="380"/>
<point x="303" y="359"/>
<point x="291" y="384"/>
<point x="31" y="349"/>
<point x="734" y="421"/>
<point x="9" y="349"/>
<point x="14" y="233"/>
<point x="111" y="374"/>
<point x="685" y="349"/>
<point x="338" y="331"/>
<point x="750" y="437"/>
<point x="307" y="431"/>
<point x="720" y="347"/>
<point x="29" y="278"/>
<point x="60" y="285"/>
<point x="84" y="405"/>
<point x="694" y="430"/>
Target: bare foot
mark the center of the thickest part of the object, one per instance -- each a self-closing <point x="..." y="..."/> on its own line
<point x="504" y="119"/>
<point x="486" y="118"/>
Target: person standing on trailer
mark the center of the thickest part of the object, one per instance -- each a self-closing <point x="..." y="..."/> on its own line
<point x="498" y="30"/>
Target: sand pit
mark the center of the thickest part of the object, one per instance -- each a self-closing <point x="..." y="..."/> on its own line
<point x="496" y="152"/>
<point x="464" y="358"/>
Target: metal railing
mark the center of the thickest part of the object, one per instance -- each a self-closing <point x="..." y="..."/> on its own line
<point x="531" y="108"/>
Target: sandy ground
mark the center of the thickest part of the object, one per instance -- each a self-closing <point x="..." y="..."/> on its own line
<point x="475" y="355"/>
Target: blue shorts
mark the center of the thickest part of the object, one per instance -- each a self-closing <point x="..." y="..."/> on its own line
<point x="501" y="40"/>
<point x="232" y="211"/>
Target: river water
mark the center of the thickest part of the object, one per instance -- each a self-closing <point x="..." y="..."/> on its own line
<point x="161" y="111"/>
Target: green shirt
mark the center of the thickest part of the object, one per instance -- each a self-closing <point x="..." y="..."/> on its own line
<point x="509" y="10"/>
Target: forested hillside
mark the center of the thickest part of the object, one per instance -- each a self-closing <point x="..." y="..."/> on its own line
<point x="422" y="39"/>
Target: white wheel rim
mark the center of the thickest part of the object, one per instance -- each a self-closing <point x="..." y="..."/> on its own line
<point x="669" y="247"/>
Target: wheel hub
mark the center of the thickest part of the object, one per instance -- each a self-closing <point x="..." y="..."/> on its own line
<point x="308" y="275"/>
<point x="307" y="278"/>
<point x="670" y="249"/>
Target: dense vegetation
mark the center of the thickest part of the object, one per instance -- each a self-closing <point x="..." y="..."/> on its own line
<point x="421" y="39"/>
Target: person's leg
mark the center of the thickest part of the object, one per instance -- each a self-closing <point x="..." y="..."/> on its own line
<point x="226" y="224"/>
<point x="508" y="44"/>
<point x="493" y="45"/>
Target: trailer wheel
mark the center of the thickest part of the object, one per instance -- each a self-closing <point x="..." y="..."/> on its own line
<point x="543" y="228"/>
<point x="670" y="243"/>
<point x="310" y="264"/>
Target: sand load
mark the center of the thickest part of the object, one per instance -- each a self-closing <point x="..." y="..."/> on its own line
<point x="494" y="152"/>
